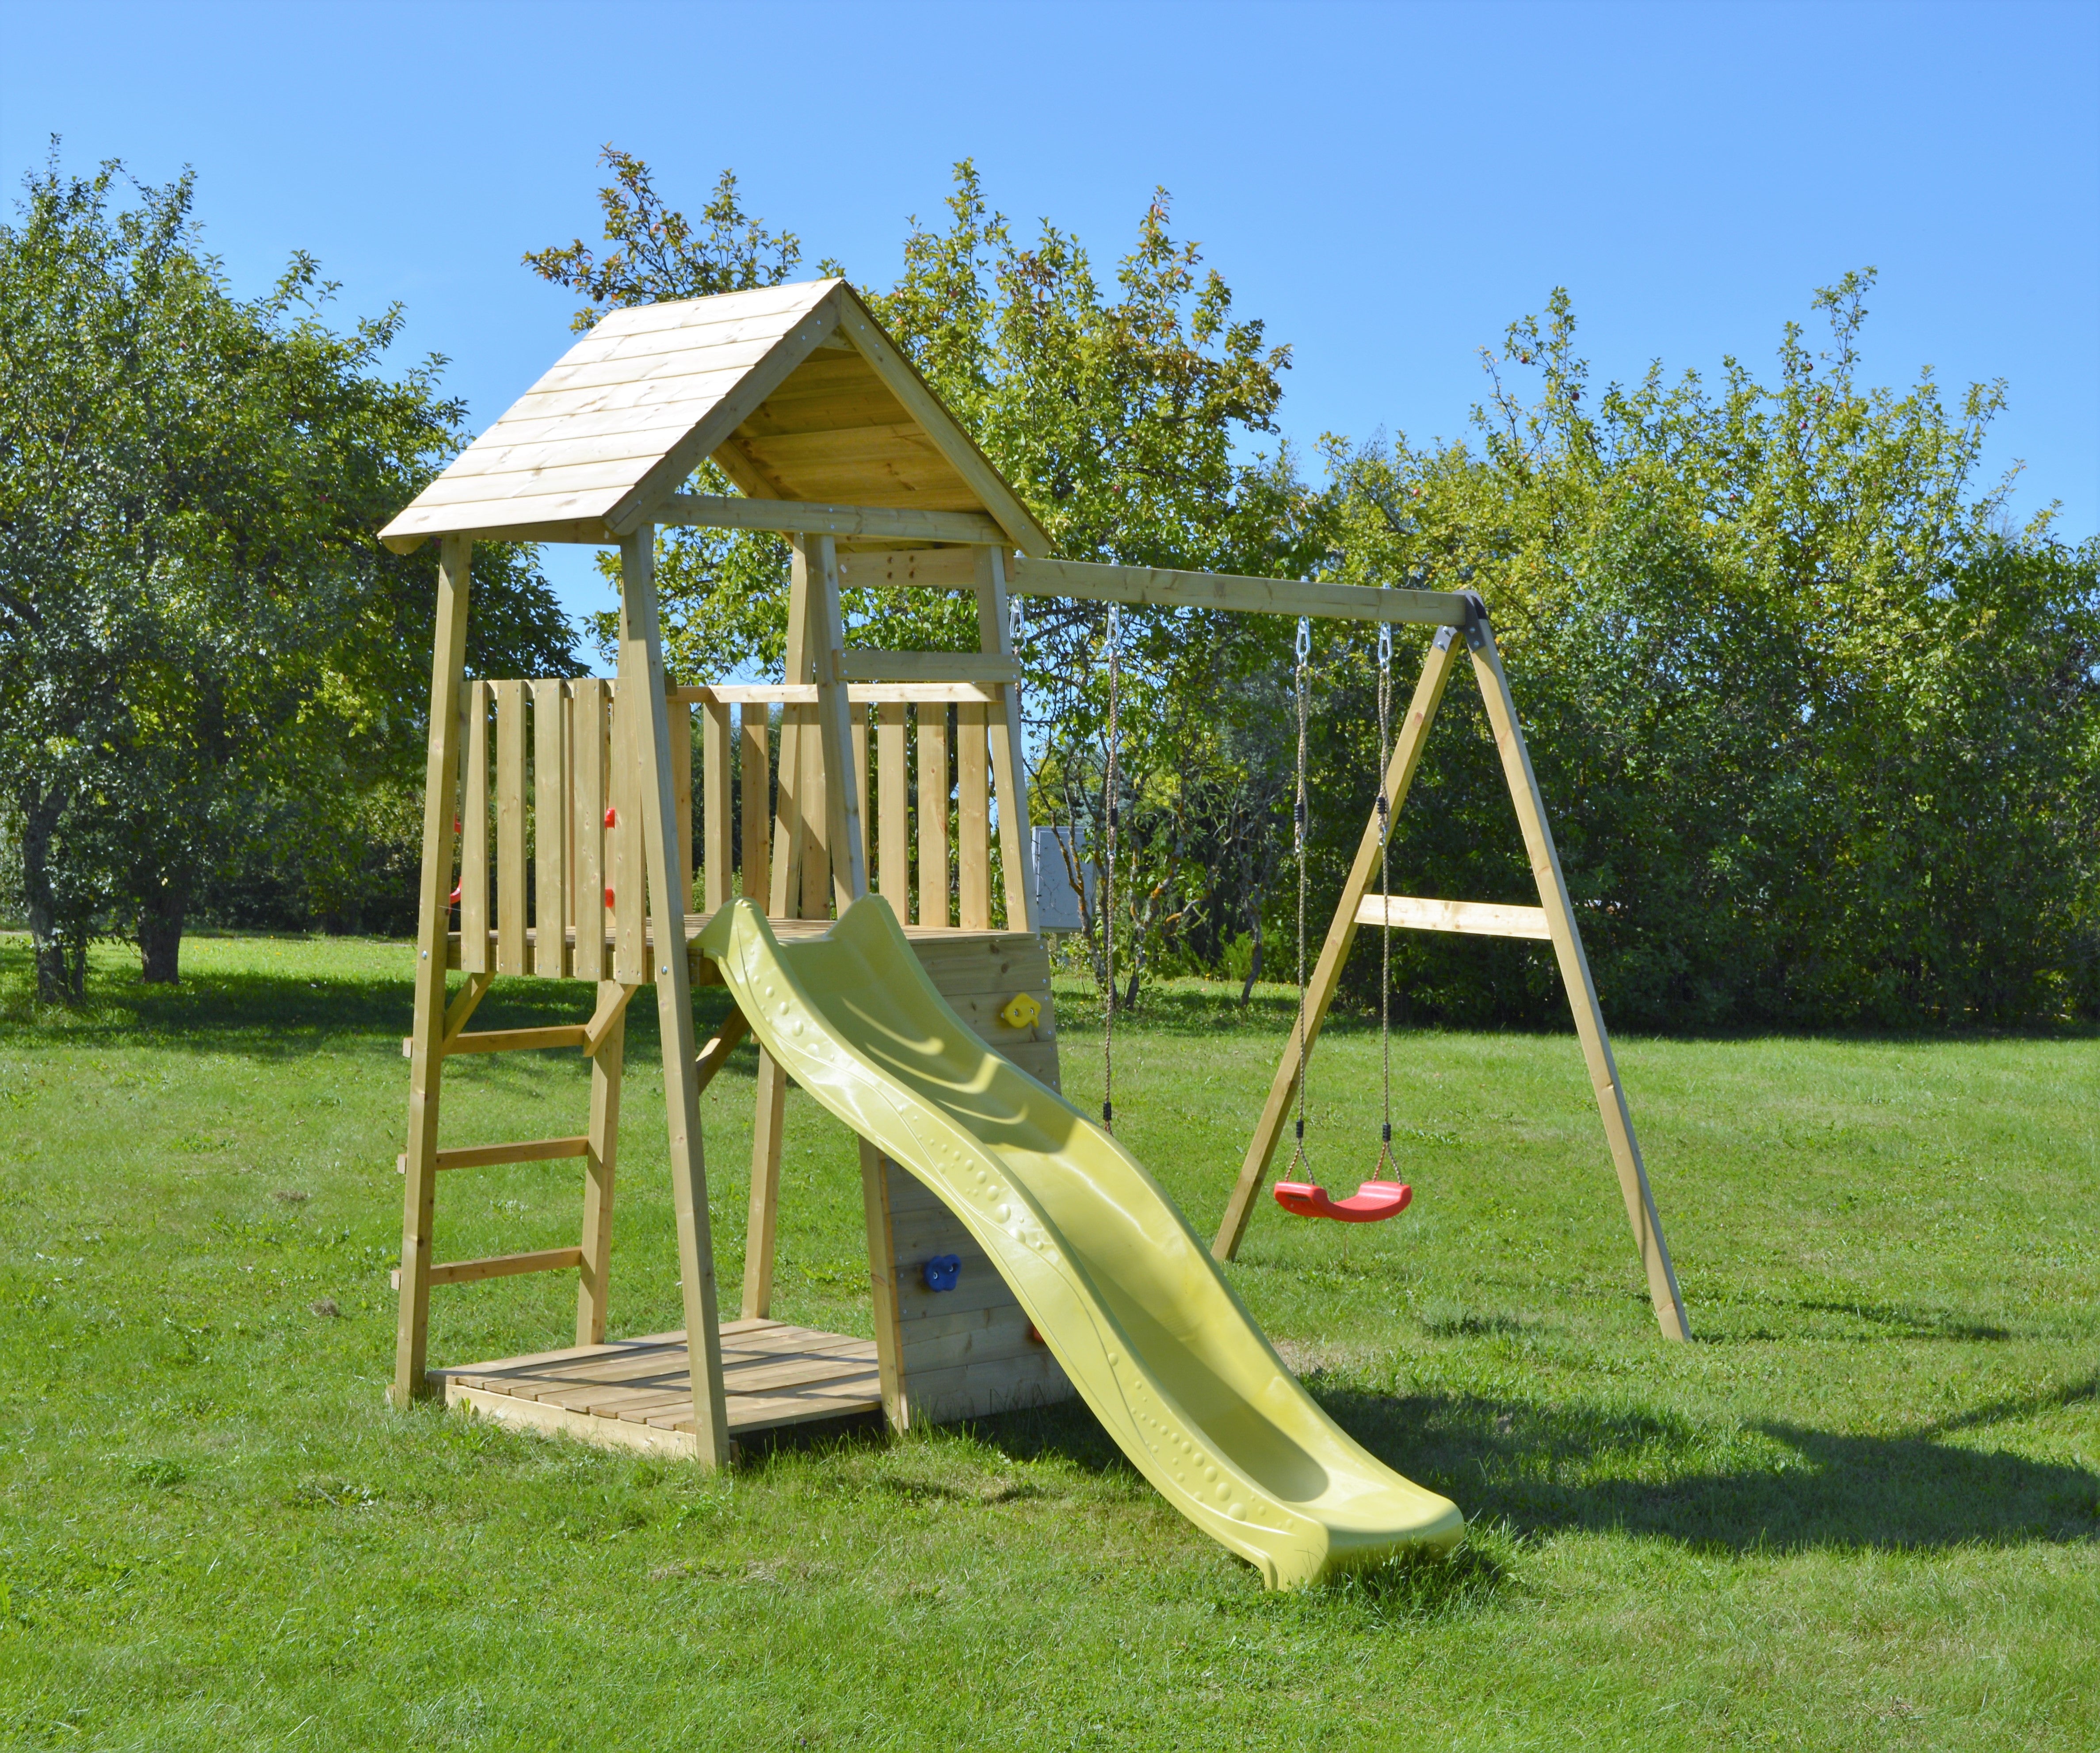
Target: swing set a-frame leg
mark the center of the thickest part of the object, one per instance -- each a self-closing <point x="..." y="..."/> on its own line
<point x="1561" y="929"/>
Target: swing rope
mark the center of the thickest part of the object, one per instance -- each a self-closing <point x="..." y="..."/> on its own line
<point x="1298" y="830"/>
<point x="1385" y="896"/>
<point x="1108" y="882"/>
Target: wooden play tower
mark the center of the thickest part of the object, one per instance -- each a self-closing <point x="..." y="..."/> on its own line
<point x="560" y="842"/>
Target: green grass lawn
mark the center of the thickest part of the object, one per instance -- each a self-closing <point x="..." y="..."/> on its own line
<point x="1861" y="1511"/>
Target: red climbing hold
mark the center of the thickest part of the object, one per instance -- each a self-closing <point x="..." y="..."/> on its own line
<point x="612" y="817"/>
<point x="1375" y="1201"/>
<point x="608" y="895"/>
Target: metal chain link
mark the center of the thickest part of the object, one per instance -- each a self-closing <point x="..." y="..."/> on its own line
<point x="1109" y="812"/>
<point x="1298" y="829"/>
<point x="1385" y="895"/>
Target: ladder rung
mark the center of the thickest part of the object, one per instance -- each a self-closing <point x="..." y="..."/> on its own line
<point x="1478" y="919"/>
<point x="483" y="1155"/>
<point x="500" y="1266"/>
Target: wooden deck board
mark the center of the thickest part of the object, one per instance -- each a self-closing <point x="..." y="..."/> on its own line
<point x="637" y="1393"/>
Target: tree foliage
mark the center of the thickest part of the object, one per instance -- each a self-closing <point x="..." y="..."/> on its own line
<point x="1817" y="725"/>
<point x="205" y="656"/>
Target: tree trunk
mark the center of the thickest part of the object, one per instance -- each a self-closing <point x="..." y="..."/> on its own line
<point x="1254" y="961"/>
<point x="57" y="982"/>
<point x="160" y="932"/>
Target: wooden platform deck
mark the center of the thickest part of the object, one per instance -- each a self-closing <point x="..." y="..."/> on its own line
<point x="637" y="1393"/>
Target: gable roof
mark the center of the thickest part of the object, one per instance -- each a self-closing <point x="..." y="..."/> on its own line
<point x="795" y="390"/>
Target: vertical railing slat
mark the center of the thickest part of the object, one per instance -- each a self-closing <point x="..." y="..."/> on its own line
<point x="473" y="836"/>
<point x="892" y="817"/>
<point x="510" y="827"/>
<point x="588" y="758"/>
<point x="933" y="784"/>
<point x="682" y="786"/>
<point x="752" y="728"/>
<point x="630" y="961"/>
<point x="973" y="819"/>
<point x="717" y="817"/>
<point x="857" y="721"/>
<point x="549" y="834"/>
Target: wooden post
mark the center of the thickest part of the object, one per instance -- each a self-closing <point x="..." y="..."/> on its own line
<point x="841" y="785"/>
<point x="1575" y="975"/>
<point x="762" y="1224"/>
<point x="933" y="783"/>
<point x="607" y="1064"/>
<point x="882" y="1287"/>
<point x="787" y="892"/>
<point x="1009" y="776"/>
<point x="642" y="684"/>
<point x="1326" y="974"/>
<point x="425" y="1060"/>
<point x="790" y="837"/>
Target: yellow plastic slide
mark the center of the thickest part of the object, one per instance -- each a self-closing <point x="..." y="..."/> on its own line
<point x="1128" y="1300"/>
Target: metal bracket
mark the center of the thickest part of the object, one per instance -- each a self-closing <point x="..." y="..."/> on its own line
<point x="1478" y="636"/>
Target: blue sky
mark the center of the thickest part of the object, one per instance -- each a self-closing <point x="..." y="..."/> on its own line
<point x="1386" y="185"/>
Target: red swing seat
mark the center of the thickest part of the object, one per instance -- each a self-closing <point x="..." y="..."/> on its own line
<point x="1375" y="1201"/>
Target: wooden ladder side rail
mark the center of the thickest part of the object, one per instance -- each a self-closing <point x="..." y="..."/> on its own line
<point x="1009" y="778"/>
<point x="434" y="911"/>
<point x="1437" y="669"/>
<point x="641" y="669"/>
<point x="1567" y="940"/>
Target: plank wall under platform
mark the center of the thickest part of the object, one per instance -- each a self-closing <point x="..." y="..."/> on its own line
<point x="964" y="1353"/>
<point x="638" y="1393"/>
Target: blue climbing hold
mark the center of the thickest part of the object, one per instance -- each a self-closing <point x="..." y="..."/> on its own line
<point x="942" y="1271"/>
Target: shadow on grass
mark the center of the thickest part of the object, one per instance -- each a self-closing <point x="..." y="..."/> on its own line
<point x="1527" y="1469"/>
<point x="1543" y="1468"/>
<point x="279" y="1016"/>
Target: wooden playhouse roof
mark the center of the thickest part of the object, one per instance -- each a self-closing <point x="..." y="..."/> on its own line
<point x="795" y="390"/>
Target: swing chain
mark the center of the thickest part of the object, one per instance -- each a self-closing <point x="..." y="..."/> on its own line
<point x="1304" y="652"/>
<point x="1386" y="1163"/>
<point x="1109" y="812"/>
